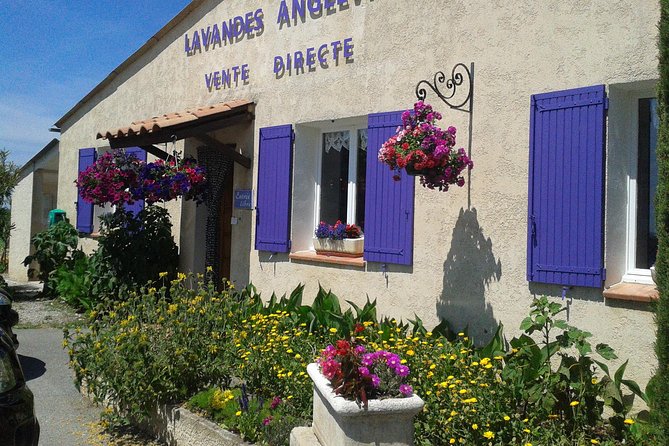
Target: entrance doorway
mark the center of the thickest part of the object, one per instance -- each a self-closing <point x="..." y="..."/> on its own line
<point x="225" y="226"/>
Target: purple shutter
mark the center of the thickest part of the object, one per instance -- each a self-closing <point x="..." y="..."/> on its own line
<point x="84" y="208"/>
<point x="275" y="165"/>
<point x="566" y="187"/>
<point x="137" y="206"/>
<point x="389" y="204"/>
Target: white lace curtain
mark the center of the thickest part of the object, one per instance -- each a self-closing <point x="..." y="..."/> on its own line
<point x="337" y="141"/>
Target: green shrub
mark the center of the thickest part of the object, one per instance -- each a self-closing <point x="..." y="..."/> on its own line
<point x="52" y="248"/>
<point x="149" y="348"/>
<point x="132" y="251"/>
<point x="73" y="282"/>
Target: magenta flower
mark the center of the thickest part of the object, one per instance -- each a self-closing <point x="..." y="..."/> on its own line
<point x="275" y="402"/>
<point x="402" y="371"/>
<point x="406" y="389"/>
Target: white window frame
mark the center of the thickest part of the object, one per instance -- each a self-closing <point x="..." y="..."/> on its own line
<point x="632" y="273"/>
<point x="352" y="169"/>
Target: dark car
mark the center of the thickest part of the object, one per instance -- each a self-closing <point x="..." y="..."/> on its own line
<point x="18" y="424"/>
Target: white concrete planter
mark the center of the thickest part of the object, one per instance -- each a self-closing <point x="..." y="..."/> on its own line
<point x="348" y="247"/>
<point x="340" y="422"/>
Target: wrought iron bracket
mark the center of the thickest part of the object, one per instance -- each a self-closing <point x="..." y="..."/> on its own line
<point x="459" y="87"/>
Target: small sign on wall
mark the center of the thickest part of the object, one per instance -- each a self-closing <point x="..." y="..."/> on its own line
<point x="244" y="199"/>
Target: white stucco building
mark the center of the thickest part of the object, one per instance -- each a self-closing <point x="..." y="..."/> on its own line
<point x="291" y="100"/>
<point x="34" y="196"/>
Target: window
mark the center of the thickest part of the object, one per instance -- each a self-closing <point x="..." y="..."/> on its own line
<point x="642" y="183"/>
<point x="646" y="234"/>
<point x="333" y="176"/>
<point x="340" y="190"/>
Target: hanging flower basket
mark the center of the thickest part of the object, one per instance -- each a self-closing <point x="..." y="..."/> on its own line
<point x="110" y="179"/>
<point x="119" y="178"/>
<point x="412" y="171"/>
<point x="421" y="148"/>
<point x="165" y="181"/>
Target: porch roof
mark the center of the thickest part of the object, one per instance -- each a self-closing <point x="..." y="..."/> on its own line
<point x="190" y="123"/>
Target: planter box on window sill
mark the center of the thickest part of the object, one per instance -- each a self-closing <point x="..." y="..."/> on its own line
<point x="348" y="247"/>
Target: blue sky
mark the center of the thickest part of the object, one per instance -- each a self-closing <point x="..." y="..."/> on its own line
<point x="53" y="52"/>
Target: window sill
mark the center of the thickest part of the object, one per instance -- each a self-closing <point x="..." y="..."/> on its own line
<point x="313" y="257"/>
<point x="634" y="292"/>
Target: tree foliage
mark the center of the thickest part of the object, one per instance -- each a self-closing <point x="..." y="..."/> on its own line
<point x="9" y="176"/>
<point x="658" y="389"/>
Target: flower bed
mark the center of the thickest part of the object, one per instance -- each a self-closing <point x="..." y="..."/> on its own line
<point x="144" y="350"/>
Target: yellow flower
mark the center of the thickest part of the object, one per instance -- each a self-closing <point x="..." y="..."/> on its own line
<point x="453" y="413"/>
<point x="574" y="403"/>
<point x="594" y="380"/>
<point x="461" y="334"/>
<point x="298" y="356"/>
<point x="593" y="441"/>
<point x="410" y="352"/>
<point x="433" y="366"/>
<point x="527" y="431"/>
<point x="528" y="444"/>
<point x="489" y="435"/>
<point x="475" y="426"/>
<point x="238" y="413"/>
<point x="507" y="418"/>
<point x="629" y="421"/>
<point x="333" y="330"/>
<point x="163" y="274"/>
<point x="451" y="441"/>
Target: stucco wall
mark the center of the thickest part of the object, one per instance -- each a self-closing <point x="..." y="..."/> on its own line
<point x="19" y="243"/>
<point x="469" y="248"/>
<point x="34" y="196"/>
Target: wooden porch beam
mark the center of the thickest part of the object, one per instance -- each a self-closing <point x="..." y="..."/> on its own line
<point x="228" y="149"/>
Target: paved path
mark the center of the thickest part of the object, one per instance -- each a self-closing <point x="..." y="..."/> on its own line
<point x="63" y="414"/>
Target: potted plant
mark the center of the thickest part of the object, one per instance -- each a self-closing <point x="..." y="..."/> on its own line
<point x="360" y="397"/>
<point x="422" y="148"/>
<point x="339" y="239"/>
<point x="120" y="178"/>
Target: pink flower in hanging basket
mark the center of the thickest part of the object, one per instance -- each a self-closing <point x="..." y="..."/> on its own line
<point x="422" y="148"/>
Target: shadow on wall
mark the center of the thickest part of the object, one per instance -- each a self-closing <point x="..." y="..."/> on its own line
<point x="468" y="269"/>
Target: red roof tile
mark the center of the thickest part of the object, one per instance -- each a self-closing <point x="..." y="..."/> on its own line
<point x="171" y="119"/>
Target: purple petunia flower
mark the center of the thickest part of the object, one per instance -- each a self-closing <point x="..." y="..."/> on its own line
<point x="406" y="389"/>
